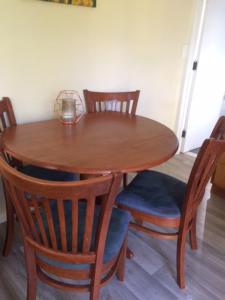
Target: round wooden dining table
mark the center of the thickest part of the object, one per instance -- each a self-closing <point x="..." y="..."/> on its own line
<point x="99" y="143"/>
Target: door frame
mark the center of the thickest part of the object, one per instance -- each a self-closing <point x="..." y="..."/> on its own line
<point x="189" y="73"/>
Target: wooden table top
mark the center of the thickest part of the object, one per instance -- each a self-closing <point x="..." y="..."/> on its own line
<point x="98" y="143"/>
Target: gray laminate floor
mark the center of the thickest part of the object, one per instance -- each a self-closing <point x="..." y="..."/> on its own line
<point x="151" y="273"/>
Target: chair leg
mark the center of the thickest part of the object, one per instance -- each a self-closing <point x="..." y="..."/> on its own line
<point x="129" y="254"/>
<point x="96" y="284"/>
<point x="181" y="259"/>
<point x="122" y="259"/>
<point x="95" y="291"/>
<point x="10" y="215"/>
<point x="192" y="234"/>
<point x="124" y="180"/>
<point x="31" y="272"/>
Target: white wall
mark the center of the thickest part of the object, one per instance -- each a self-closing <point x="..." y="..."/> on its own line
<point x="120" y="45"/>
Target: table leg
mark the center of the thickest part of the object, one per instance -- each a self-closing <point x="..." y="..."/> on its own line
<point x="130" y="254"/>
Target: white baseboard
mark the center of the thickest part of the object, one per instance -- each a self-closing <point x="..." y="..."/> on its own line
<point x="191" y="154"/>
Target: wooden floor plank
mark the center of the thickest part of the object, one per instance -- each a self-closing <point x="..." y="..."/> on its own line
<point x="146" y="256"/>
<point x="143" y="285"/>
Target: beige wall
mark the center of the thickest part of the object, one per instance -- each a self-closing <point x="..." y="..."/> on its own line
<point x="120" y="45"/>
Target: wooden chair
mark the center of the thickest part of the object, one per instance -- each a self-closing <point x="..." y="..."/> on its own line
<point x="7" y="119"/>
<point x="113" y="101"/>
<point x="66" y="235"/>
<point x="165" y="201"/>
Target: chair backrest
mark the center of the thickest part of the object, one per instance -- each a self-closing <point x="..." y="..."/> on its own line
<point x="7" y="116"/>
<point x="219" y="129"/>
<point x="201" y="173"/>
<point x="51" y="214"/>
<point x="114" y="101"/>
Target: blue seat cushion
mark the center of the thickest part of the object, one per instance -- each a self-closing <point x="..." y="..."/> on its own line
<point x="116" y="234"/>
<point x="154" y="193"/>
<point x="48" y="174"/>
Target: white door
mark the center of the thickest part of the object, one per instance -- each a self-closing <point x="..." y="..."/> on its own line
<point x="208" y="88"/>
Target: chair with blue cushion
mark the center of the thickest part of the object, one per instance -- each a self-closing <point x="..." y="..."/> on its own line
<point x="7" y="119"/>
<point x="167" y="202"/>
<point x="70" y="241"/>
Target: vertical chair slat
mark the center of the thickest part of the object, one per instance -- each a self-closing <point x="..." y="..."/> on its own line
<point x="39" y="218"/>
<point x="108" y="105"/>
<point x="74" y="226"/>
<point x="114" y="105"/>
<point x="134" y="107"/>
<point x="3" y="120"/>
<point x="1" y="126"/>
<point x="128" y="107"/>
<point x="30" y="217"/>
<point x="131" y="106"/>
<point x="118" y="105"/>
<point x="111" y="105"/>
<point x="121" y="106"/>
<point x="124" y="106"/>
<point x="62" y="224"/>
<point x="88" y="224"/>
<point x="50" y="222"/>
